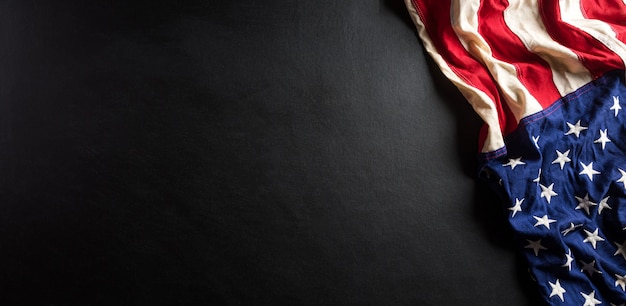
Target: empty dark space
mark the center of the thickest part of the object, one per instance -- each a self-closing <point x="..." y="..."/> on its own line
<point x="239" y="153"/>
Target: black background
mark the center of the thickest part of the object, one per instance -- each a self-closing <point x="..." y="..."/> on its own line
<point x="239" y="152"/>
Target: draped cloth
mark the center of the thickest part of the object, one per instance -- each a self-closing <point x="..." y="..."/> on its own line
<point x="547" y="79"/>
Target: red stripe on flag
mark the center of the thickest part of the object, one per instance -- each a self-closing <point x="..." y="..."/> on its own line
<point x="613" y="12"/>
<point x="532" y="71"/>
<point x="435" y="14"/>
<point x="593" y="54"/>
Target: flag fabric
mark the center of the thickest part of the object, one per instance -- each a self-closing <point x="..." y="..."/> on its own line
<point x="548" y="80"/>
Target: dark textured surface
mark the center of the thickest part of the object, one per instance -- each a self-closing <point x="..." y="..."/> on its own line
<point x="239" y="152"/>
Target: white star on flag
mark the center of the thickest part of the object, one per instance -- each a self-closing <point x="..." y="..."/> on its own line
<point x="514" y="162"/>
<point x="568" y="261"/>
<point x="575" y="129"/>
<point x="616" y="107"/>
<point x="543" y="221"/>
<point x="590" y="299"/>
<point x="536" y="140"/>
<point x="603" y="138"/>
<point x="593" y="238"/>
<point x="557" y="290"/>
<point x="589" y="268"/>
<point x="603" y="204"/>
<point x="570" y="228"/>
<point x="620" y="249"/>
<point x="562" y="158"/>
<point x="546" y="192"/>
<point x="621" y="281"/>
<point x="588" y="170"/>
<point x="517" y="207"/>
<point x="584" y="203"/>
<point x="623" y="178"/>
<point x="535" y="245"/>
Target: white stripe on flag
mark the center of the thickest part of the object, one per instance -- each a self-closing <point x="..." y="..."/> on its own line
<point x="571" y="13"/>
<point x="568" y="73"/>
<point x="464" y="16"/>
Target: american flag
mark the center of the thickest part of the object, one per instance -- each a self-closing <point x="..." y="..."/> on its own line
<point x="547" y="78"/>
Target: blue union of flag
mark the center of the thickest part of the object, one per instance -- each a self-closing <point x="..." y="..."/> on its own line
<point x="564" y="171"/>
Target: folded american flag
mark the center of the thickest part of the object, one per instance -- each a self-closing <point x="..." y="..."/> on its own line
<point x="547" y="78"/>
